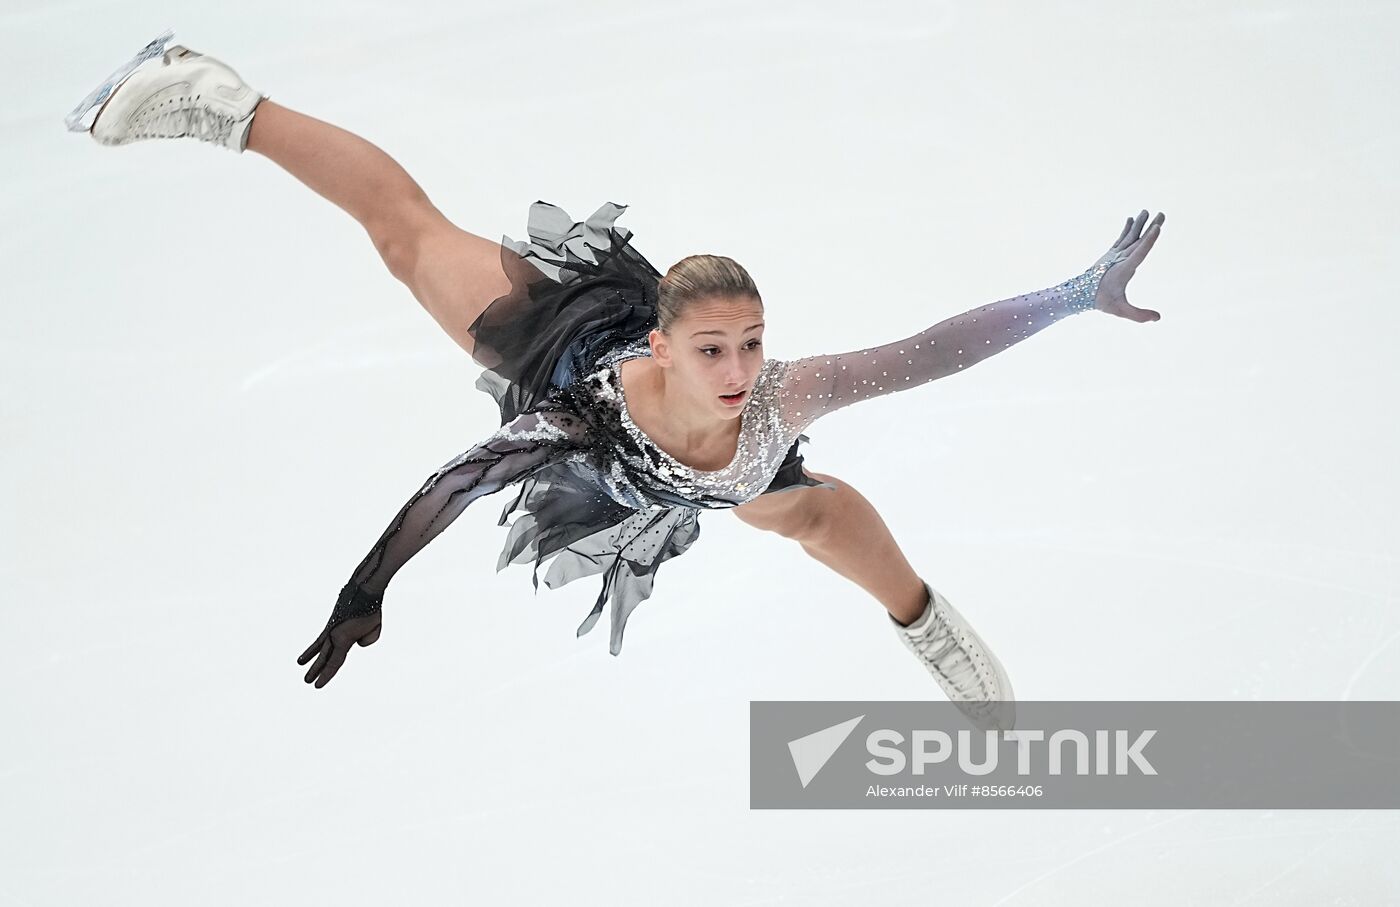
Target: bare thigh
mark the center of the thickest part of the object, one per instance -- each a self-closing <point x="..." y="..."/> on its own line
<point x="795" y="513"/>
<point x="456" y="274"/>
<point x="842" y="530"/>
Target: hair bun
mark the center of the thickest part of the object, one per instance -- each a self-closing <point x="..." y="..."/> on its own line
<point x="698" y="276"/>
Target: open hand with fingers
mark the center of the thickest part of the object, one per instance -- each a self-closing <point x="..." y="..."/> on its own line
<point x="1122" y="259"/>
<point x="356" y="618"/>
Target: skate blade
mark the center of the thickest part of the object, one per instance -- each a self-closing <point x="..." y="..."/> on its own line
<point x="77" y="120"/>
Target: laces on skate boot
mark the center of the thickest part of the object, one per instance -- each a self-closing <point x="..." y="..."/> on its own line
<point x="941" y="650"/>
<point x="171" y="120"/>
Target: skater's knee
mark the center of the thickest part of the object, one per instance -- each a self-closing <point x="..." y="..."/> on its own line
<point x="828" y="513"/>
<point x="401" y="235"/>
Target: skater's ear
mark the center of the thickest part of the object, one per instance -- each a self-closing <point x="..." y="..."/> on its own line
<point x="660" y="346"/>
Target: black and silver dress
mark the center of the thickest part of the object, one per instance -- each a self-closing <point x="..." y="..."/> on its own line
<point x="596" y="495"/>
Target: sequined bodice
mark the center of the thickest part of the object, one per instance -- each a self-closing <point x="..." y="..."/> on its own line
<point x="764" y="436"/>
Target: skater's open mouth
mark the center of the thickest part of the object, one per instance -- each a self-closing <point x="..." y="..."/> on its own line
<point x="733" y="398"/>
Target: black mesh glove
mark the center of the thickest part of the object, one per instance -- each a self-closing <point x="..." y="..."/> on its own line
<point x="515" y="451"/>
<point x="355" y="619"/>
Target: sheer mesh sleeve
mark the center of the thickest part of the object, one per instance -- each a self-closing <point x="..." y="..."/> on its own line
<point x="817" y="385"/>
<point x="514" y="452"/>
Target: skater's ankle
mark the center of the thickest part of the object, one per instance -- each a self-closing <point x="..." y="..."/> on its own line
<point x="911" y="612"/>
<point x="260" y="129"/>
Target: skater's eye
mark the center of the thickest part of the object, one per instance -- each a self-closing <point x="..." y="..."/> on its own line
<point x="751" y="345"/>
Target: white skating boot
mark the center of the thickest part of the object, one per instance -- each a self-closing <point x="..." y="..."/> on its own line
<point x="961" y="663"/>
<point x="188" y="94"/>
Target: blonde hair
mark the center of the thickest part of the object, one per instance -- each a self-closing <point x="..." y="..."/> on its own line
<point x="699" y="277"/>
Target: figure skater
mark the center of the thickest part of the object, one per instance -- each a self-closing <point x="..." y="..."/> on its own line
<point x="630" y="401"/>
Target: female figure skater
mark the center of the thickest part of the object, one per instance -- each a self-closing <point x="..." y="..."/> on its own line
<point x="629" y="401"/>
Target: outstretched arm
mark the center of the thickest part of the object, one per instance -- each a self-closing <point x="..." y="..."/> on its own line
<point x="817" y="385"/>
<point x="516" y="450"/>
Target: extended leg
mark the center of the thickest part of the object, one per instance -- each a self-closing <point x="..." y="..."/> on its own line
<point x="843" y="530"/>
<point x="453" y="273"/>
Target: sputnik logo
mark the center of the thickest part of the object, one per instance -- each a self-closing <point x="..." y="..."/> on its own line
<point x="812" y="752"/>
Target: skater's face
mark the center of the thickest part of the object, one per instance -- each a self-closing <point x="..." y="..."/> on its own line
<point x="716" y="349"/>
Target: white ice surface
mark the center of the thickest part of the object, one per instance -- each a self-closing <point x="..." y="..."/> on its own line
<point x="215" y="397"/>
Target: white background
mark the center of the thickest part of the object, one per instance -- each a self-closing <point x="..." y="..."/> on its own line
<point x="216" y="396"/>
